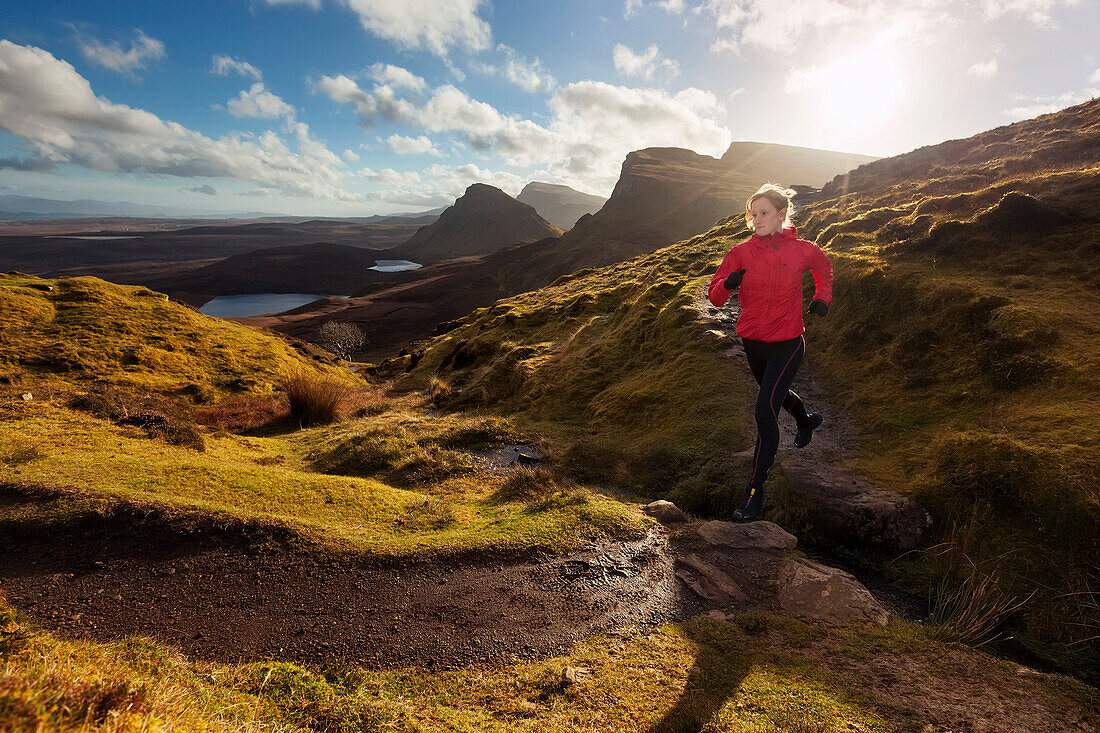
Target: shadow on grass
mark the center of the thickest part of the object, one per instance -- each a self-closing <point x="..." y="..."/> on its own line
<point x="724" y="658"/>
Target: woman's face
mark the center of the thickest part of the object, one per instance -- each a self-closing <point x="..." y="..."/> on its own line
<point x="766" y="219"/>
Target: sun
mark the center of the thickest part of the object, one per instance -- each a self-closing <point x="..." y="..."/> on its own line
<point x="858" y="92"/>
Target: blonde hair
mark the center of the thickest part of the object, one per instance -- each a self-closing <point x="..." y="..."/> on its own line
<point x="779" y="197"/>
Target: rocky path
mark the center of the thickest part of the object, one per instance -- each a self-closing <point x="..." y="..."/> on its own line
<point x="836" y="501"/>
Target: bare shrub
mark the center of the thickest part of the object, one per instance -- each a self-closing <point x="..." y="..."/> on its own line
<point x="315" y="400"/>
<point x="341" y="338"/>
<point x="157" y="416"/>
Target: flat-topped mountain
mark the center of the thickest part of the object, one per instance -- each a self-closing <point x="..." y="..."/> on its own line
<point x="559" y="205"/>
<point x="482" y="220"/>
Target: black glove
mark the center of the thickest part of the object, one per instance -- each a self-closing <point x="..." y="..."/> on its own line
<point x="819" y="307"/>
<point x="733" y="281"/>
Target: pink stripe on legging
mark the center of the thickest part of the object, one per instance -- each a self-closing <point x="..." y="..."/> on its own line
<point x="775" y="412"/>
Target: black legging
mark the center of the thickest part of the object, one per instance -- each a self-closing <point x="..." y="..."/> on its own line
<point x="773" y="364"/>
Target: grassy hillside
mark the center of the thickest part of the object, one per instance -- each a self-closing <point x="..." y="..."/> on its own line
<point x="962" y="336"/>
<point x="386" y="481"/>
<point x="965" y="336"/>
<point x="81" y="330"/>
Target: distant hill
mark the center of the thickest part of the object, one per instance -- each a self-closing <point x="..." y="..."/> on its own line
<point x="482" y="220"/>
<point x="559" y="205"/>
<point x="663" y="195"/>
<point x="146" y="255"/>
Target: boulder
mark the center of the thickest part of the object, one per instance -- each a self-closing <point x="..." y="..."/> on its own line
<point x="764" y="536"/>
<point x="853" y="510"/>
<point x="815" y="592"/>
<point x="665" y="512"/>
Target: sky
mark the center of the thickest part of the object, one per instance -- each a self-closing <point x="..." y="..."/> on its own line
<point x="361" y="107"/>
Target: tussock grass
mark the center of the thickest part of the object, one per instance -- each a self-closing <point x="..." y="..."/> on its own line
<point x="313" y="400"/>
<point x="970" y="601"/>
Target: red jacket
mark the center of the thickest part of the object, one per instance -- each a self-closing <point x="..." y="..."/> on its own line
<point x="771" y="292"/>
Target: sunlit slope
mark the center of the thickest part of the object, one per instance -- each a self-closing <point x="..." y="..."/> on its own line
<point x="78" y="330"/>
<point x="616" y="366"/>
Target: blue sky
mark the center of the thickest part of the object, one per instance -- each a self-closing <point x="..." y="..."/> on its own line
<point x="357" y="107"/>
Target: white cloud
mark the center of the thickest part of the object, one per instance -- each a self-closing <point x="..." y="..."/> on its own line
<point x="646" y="65"/>
<point x="111" y="56"/>
<point x="1037" y="12"/>
<point x="315" y="4"/>
<point x="419" y="145"/>
<point x="781" y="25"/>
<point x="44" y="101"/>
<point x="1094" y="78"/>
<point x="435" y="25"/>
<point x="396" y="77"/>
<point x="672" y="6"/>
<point x="529" y="75"/>
<point x="778" y="25"/>
<point x="1034" y="106"/>
<point x="351" y="156"/>
<point x="983" y="70"/>
<point x="222" y="65"/>
<point x="630" y="7"/>
<point x="258" y="102"/>
<point x="593" y="125"/>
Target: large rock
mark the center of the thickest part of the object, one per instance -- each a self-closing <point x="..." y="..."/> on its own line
<point x="814" y="592"/>
<point x="854" y="511"/>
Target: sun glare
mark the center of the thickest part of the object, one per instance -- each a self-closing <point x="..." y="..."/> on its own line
<point x="860" y="91"/>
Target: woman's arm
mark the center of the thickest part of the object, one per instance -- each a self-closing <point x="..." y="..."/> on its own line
<point x="822" y="270"/>
<point x="717" y="292"/>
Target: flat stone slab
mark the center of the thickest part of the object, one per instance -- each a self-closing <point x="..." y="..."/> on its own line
<point x="763" y="536"/>
<point x="853" y="509"/>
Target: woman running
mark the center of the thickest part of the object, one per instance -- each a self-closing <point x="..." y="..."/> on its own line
<point x="768" y="267"/>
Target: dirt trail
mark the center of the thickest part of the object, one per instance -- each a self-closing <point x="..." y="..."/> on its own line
<point x="231" y="595"/>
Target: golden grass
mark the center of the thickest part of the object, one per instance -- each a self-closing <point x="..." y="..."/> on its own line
<point x="276" y="479"/>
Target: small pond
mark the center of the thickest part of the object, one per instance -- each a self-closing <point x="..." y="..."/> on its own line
<point x="394" y="265"/>
<point x="255" y="304"/>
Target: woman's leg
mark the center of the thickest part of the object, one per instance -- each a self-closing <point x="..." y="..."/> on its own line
<point x="757" y="353"/>
<point x="780" y="365"/>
